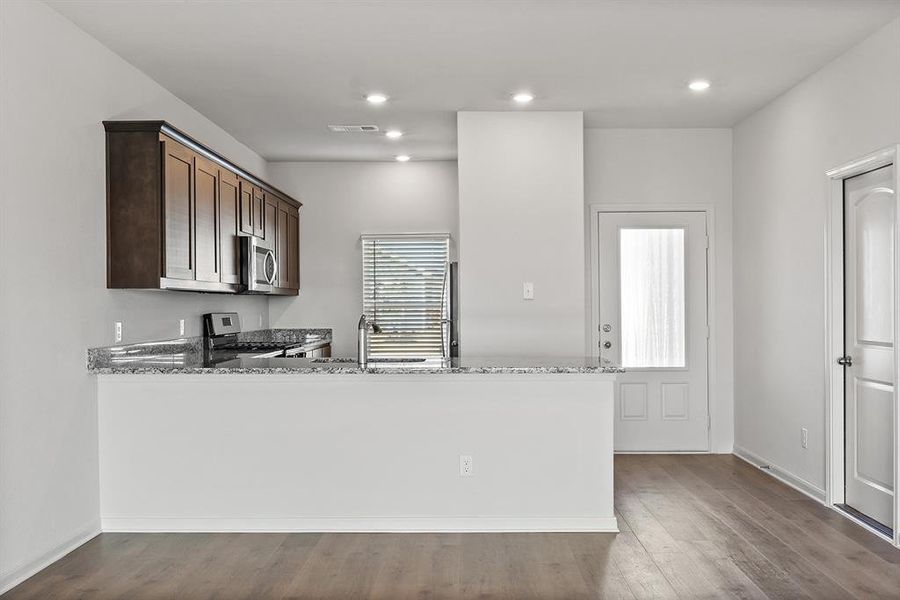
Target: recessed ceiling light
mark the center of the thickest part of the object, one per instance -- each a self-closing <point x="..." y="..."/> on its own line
<point x="403" y="158"/>
<point x="376" y="98"/>
<point x="523" y="97"/>
<point x="699" y="85"/>
<point x="393" y="133"/>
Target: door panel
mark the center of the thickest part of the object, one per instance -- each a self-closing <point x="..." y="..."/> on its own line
<point x="292" y="264"/>
<point x="246" y="207"/>
<point x="179" y="210"/>
<point x="870" y="309"/>
<point x="270" y="218"/>
<point x="229" y="226"/>
<point x="653" y="322"/>
<point x="271" y="221"/>
<point x="259" y="212"/>
<point x="281" y="244"/>
<point x="206" y="231"/>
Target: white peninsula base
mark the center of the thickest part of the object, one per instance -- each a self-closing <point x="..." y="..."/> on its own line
<point x="374" y="452"/>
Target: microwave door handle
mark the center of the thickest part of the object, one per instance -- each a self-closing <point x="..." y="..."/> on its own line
<point x="270" y="256"/>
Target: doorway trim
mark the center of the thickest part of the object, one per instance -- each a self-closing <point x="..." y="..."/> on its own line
<point x="592" y="340"/>
<point x="834" y="331"/>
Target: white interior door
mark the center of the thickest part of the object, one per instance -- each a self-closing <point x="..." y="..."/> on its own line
<point x="653" y="322"/>
<point x="869" y="312"/>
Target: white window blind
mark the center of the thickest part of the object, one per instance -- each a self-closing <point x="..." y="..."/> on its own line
<point x="404" y="292"/>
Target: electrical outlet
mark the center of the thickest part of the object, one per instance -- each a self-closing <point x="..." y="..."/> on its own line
<point x="804" y="437"/>
<point x="466" y="468"/>
<point x="181" y="327"/>
<point x="528" y="290"/>
<point x="118" y="331"/>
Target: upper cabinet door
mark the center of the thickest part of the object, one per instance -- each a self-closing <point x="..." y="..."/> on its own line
<point x="178" y="210"/>
<point x="270" y="216"/>
<point x="229" y="227"/>
<point x="247" y="200"/>
<point x="281" y="238"/>
<point x="259" y="212"/>
<point x="206" y="230"/>
<point x="291" y="279"/>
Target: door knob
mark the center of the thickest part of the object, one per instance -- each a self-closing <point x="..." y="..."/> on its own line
<point x="845" y="361"/>
<point x="607" y="345"/>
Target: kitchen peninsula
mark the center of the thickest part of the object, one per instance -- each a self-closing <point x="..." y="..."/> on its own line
<point x="313" y="444"/>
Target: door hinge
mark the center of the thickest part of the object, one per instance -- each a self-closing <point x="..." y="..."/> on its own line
<point x="708" y="421"/>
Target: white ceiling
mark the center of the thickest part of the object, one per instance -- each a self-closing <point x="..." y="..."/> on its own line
<point x="276" y="73"/>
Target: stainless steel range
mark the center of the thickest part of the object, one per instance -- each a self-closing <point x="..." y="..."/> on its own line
<point x="223" y="330"/>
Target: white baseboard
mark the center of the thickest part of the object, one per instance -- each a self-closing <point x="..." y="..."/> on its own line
<point x="23" y="571"/>
<point x="783" y="475"/>
<point x="361" y="524"/>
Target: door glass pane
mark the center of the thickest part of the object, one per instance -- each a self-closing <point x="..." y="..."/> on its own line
<point x="652" y="297"/>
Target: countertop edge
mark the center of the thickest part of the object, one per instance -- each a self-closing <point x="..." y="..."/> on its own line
<point x="359" y="372"/>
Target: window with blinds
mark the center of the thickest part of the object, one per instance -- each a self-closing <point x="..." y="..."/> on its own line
<point x="405" y="293"/>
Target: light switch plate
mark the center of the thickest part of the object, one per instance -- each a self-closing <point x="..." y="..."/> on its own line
<point x="528" y="290"/>
<point x="181" y="327"/>
<point x="118" y="331"/>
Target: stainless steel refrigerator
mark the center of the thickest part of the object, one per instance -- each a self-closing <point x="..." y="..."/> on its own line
<point x="450" y="317"/>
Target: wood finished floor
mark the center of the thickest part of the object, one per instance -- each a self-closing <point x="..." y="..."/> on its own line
<point x="692" y="527"/>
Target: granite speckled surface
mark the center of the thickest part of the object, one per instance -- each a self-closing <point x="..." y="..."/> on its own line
<point x="187" y="356"/>
<point x="188" y="352"/>
<point x="188" y="364"/>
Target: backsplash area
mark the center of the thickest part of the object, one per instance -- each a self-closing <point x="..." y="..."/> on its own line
<point x="154" y="315"/>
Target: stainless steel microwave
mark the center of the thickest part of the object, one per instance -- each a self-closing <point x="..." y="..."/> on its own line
<point x="258" y="266"/>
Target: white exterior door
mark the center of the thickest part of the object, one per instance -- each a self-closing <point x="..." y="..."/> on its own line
<point x="653" y="322"/>
<point x="869" y="312"/>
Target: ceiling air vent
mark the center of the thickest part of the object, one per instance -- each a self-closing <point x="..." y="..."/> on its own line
<point x="353" y="128"/>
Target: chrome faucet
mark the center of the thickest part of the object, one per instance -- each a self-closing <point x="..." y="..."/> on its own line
<point x="362" y="340"/>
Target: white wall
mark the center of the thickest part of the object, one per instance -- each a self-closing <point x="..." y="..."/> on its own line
<point x="521" y="219"/>
<point x="677" y="167"/>
<point x="58" y="85"/>
<point x="340" y="202"/>
<point x="849" y="108"/>
<point x="356" y="453"/>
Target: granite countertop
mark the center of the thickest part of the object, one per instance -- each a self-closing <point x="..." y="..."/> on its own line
<point x="186" y="356"/>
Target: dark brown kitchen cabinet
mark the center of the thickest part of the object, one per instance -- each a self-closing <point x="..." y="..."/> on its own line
<point x="270" y="215"/>
<point x="229" y="226"/>
<point x="287" y="249"/>
<point x="207" y="263"/>
<point x="259" y="212"/>
<point x="247" y="197"/>
<point x="176" y="210"/>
